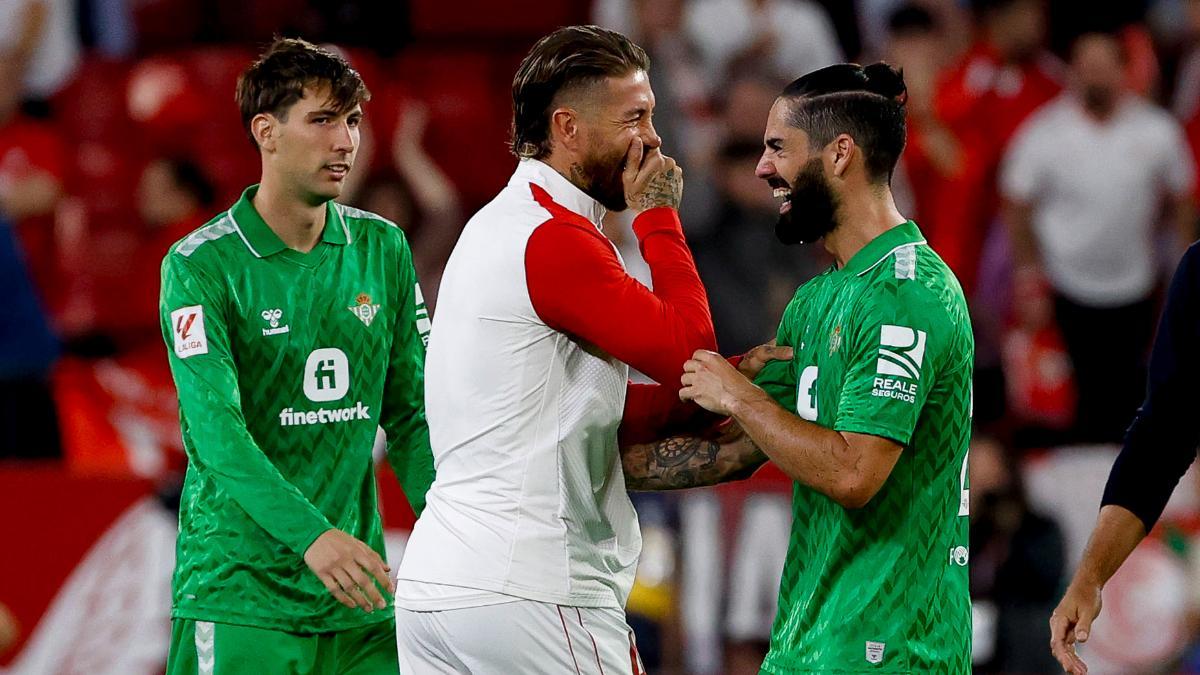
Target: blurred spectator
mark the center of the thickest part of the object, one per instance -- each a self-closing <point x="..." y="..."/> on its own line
<point x="1002" y="79"/>
<point x="31" y="160"/>
<point x="680" y="88"/>
<point x="933" y="155"/>
<point x="1084" y="183"/>
<point x="788" y="38"/>
<point x="32" y="172"/>
<point x="40" y="39"/>
<point x="1037" y="368"/>
<point x="1186" y="101"/>
<point x="174" y="197"/>
<point x="1017" y="561"/>
<point x="419" y="198"/>
<point x="28" y="419"/>
<point x="875" y="23"/>
<point x="750" y="278"/>
<point x="9" y="629"/>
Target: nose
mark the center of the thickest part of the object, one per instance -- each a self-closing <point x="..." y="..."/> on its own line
<point x="344" y="138"/>
<point x="650" y="137"/>
<point x="765" y="168"/>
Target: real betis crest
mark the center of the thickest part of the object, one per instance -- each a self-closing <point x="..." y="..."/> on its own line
<point x="835" y="340"/>
<point x="363" y="309"/>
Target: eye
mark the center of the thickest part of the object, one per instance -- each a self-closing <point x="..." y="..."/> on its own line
<point x="354" y="122"/>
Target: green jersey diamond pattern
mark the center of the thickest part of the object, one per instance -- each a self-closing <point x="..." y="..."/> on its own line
<point x="884" y="347"/>
<point x="286" y="363"/>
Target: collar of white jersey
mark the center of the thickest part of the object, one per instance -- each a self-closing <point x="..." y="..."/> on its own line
<point x="563" y="191"/>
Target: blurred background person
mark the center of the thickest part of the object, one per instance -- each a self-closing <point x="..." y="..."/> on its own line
<point x="786" y="37"/>
<point x="28" y="350"/>
<point x="1085" y="182"/>
<point x="40" y="39"/>
<point x="1017" y="562"/>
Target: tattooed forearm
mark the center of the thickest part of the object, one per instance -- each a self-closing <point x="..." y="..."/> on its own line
<point x="687" y="461"/>
<point x="663" y="189"/>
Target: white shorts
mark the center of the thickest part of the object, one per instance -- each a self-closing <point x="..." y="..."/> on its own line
<point x="516" y="638"/>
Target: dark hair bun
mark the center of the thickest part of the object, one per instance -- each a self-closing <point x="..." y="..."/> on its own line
<point x="886" y="81"/>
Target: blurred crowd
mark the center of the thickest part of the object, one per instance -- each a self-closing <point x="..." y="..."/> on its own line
<point x="1050" y="161"/>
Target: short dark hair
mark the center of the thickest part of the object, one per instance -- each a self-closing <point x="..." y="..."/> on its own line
<point x="274" y="82"/>
<point x="911" y="18"/>
<point x="865" y="102"/>
<point x="567" y="59"/>
<point x="985" y="8"/>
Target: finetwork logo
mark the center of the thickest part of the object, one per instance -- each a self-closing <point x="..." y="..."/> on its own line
<point x="901" y="355"/>
<point x="326" y="375"/>
<point x="290" y="418"/>
<point x="326" y="378"/>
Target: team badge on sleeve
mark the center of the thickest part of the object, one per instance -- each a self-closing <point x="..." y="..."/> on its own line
<point x="187" y="323"/>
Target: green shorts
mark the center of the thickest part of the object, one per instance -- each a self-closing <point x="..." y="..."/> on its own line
<point x="205" y="648"/>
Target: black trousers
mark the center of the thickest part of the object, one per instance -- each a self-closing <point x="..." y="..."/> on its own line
<point x="1108" y="347"/>
<point x="28" y="420"/>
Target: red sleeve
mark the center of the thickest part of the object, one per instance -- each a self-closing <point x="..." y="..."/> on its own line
<point x="654" y="411"/>
<point x="578" y="286"/>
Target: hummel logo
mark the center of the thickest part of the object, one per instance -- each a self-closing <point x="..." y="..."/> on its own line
<point x="272" y="316"/>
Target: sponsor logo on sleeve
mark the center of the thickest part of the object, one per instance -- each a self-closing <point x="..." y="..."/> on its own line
<point x="960" y="555"/>
<point x="898" y="368"/>
<point x="187" y="324"/>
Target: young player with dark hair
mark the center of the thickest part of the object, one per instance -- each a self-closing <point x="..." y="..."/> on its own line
<point x="296" y="329"/>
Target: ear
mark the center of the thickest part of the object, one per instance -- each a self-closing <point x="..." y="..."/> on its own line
<point x="843" y="149"/>
<point x="263" y="128"/>
<point x="564" y="128"/>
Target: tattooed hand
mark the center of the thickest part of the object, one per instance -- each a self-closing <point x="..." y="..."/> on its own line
<point x="651" y="179"/>
<point x="689" y="461"/>
<point x="754" y="360"/>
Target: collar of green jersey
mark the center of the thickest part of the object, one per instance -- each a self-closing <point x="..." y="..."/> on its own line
<point x="262" y="240"/>
<point x="904" y="234"/>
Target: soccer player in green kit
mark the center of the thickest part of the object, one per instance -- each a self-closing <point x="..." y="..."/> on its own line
<point x="295" y="328"/>
<point x="871" y="416"/>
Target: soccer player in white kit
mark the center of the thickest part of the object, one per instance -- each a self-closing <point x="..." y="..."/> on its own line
<point x="526" y="552"/>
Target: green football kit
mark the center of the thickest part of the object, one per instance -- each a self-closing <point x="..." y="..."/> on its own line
<point x="286" y="363"/>
<point x="882" y="346"/>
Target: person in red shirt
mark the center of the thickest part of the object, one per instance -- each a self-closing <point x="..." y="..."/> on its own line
<point x="32" y="175"/>
<point x="174" y="197"/>
<point x="1005" y="75"/>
